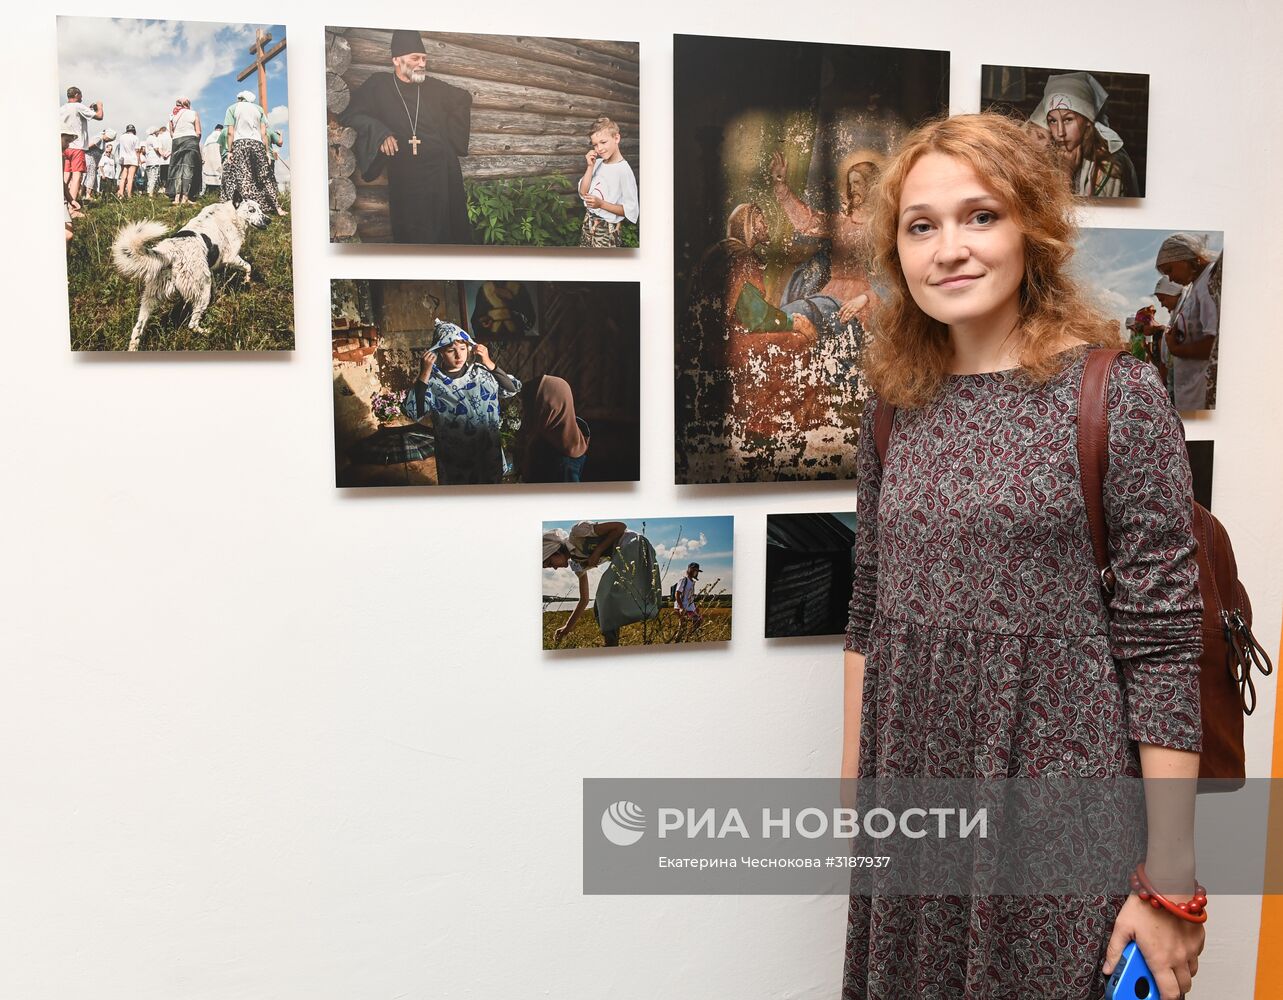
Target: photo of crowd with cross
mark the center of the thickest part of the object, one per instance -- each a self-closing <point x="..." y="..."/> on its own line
<point x="449" y="383"/>
<point x="446" y="138"/>
<point x="641" y="581"/>
<point x="1097" y="122"/>
<point x="176" y="185"/>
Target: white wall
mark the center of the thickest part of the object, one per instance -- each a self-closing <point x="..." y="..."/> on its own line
<point x="263" y="739"/>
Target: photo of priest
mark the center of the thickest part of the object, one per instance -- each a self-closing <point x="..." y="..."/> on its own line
<point x="443" y="138"/>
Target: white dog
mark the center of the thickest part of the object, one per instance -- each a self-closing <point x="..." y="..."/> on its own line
<point x="182" y="265"/>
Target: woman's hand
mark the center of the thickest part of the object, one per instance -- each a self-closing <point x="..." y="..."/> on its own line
<point x="1171" y="946"/>
<point x="562" y="632"/>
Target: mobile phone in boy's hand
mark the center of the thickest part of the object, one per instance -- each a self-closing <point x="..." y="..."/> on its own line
<point x="1132" y="979"/>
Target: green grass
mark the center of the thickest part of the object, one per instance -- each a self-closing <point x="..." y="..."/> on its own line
<point x="104" y="305"/>
<point x="716" y="627"/>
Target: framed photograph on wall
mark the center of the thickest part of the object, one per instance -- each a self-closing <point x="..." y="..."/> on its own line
<point x="637" y="581"/>
<point x="176" y="185"/>
<point x="777" y="147"/>
<point x="500" y="140"/>
<point x="1163" y="286"/>
<point x="808" y="573"/>
<point x="1097" y="122"/>
<point x="452" y="383"/>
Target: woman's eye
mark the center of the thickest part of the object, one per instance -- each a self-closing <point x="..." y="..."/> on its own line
<point x="985" y="218"/>
<point x="918" y="228"/>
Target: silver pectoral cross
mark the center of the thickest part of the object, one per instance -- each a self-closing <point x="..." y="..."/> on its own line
<point x="414" y="143"/>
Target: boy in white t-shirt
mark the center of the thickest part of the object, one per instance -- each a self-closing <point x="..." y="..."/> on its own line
<point x="608" y="188"/>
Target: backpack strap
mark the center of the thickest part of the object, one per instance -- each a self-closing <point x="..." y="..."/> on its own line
<point x="1093" y="452"/>
<point x="882" y="422"/>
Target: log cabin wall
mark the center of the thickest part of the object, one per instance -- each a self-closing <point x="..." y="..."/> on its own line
<point x="533" y="101"/>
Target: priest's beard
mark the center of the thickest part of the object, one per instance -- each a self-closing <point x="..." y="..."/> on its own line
<point x="417" y="75"/>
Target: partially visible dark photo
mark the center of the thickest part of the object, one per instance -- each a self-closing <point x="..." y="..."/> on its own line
<point x="1200" y="466"/>
<point x="1097" y="122"/>
<point x="808" y="573"/>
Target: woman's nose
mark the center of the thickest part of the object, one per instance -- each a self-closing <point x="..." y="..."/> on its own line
<point x="952" y="246"/>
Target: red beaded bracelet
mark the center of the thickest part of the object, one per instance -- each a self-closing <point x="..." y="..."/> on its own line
<point x="1195" y="910"/>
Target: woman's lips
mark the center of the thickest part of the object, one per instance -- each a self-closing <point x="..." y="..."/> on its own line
<point x="957" y="281"/>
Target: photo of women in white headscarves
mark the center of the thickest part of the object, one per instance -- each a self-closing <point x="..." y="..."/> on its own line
<point x="1164" y="288"/>
<point x="1097" y="122"/>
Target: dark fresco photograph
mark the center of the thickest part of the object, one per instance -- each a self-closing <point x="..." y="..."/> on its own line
<point x="777" y="147"/>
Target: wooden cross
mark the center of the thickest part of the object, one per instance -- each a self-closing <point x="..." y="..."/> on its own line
<point x="261" y="59"/>
<point x="415" y="141"/>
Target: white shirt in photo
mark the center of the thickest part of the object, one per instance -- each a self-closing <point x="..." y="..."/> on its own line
<point x="151" y="151"/>
<point x="245" y="119"/>
<point x="615" y="183"/>
<point x="184" y="123"/>
<point x="1197" y="318"/>
<point x="75" y="117"/>
<point x="127" y="149"/>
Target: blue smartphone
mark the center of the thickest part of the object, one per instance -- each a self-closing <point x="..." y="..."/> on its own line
<point x="1131" y="977"/>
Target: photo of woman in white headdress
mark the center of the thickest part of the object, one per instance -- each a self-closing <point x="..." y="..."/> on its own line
<point x="1082" y="116"/>
<point x="1093" y="153"/>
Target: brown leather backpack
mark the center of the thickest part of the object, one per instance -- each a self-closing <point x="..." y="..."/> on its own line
<point x="1230" y="651"/>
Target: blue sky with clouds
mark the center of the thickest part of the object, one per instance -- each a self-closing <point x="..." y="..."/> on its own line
<point x="1118" y="265"/>
<point x="678" y="541"/>
<point x="137" y="69"/>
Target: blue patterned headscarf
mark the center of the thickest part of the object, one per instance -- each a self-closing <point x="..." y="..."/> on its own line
<point x="447" y="333"/>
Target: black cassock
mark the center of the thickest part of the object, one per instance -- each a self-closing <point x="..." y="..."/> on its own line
<point x="426" y="201"/>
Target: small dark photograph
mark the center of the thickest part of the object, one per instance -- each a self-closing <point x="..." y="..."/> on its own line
<point x="808" y="573"/>
<point x="1097" y="122"/>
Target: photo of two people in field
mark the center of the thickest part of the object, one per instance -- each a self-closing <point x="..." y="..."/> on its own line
<point x="643" y="581"/>
<point x="175" y="180"/>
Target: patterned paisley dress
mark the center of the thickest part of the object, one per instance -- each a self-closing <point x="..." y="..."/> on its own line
<point x="990" y="652"/>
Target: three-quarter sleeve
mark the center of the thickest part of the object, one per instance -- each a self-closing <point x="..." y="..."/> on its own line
<point x="1156" y="611"/>
<point x="868" y="485"/>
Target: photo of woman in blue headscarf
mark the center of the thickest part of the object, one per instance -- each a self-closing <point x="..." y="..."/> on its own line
<point x="458" y="392"/>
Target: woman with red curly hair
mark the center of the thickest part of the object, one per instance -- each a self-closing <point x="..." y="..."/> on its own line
<point x="981" y="646"/>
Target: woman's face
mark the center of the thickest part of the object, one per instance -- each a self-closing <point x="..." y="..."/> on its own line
<point x="558" y="560"/>
<point x="961" y="251"/>
<point x="1068" y="131"/>
<point x="1183" y="272"/>
<point x="454" y="356"/>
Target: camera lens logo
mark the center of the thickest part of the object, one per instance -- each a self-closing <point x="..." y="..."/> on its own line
<point x="623" y="823"/>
